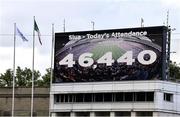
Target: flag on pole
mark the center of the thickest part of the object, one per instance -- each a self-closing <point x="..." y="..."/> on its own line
<point x="37" y="30"/>
<point x="21" y="35"/>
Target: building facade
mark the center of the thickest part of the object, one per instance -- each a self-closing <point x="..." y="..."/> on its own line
<point x="152" y="98"/>
<point x="23" y="101"/>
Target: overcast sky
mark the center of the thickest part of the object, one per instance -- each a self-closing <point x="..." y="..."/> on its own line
<point x="78" y="14"/>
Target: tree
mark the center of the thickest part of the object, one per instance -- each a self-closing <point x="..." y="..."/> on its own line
<point x="6" y="78"/>
<point x="46" y="78"/>
<point x="174" y="71"/>
<point x="23" y="78"/>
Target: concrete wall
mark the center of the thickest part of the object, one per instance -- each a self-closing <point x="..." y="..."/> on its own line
<point x="23" y="101"/>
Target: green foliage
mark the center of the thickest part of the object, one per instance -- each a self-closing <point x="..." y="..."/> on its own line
<point x="174" y="70"/>
<point x="46" y="77"/>
<point x="45" y="81"/>
<point x="23" y="78"/>
<point x="6" y="78"/>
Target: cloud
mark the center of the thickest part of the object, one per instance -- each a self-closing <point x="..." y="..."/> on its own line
<point x="23" y="59"/>
<point x="171" y="3"/>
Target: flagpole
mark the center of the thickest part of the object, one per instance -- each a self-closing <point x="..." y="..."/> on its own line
<point x="14" y="57"/>
<point x="32" y="88"/>
<point x="52" y="55"/>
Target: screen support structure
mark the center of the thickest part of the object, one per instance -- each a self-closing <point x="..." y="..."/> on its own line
<point x="168" y="42"/>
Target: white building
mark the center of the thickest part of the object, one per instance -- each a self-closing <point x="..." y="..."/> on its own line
<point x="115" y="99"/>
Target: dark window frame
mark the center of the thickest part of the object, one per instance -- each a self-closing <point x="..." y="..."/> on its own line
<point x="169" y="97"/>
<point x="105" y="97"/>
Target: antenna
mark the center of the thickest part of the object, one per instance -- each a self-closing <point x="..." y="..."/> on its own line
<point x="164" y="23"/>
<point x="167" y="20"/>
<point x="93" y="24"/>
<point x="168" y="46"/>
<point x="64" y="25"/>
<point x="142" y="22"/>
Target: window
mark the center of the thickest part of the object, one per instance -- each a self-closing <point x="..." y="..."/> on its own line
<point x="119" y="97"/>
<point x="168" y="97"/>
<point x="123" y="114"/>
<point x="140" y="96"/>
<point x="102" y="114"/>
<point x="70" y="98"/>
<point x="98" y="97"/>
<point x="79" y="98"/>
<point x="144" y="114"/>
<point x="128" y="96"/>
<point x="108" y="97"/>
<point x="63" y="114"/>
<point x="66" y="98"/>
<point x="150" y="96"/>
<point x="82" y="114"/>
<point x="62" y="98"/>
<point x="87" y="97"/>
<point x="144" y="96"/>
<point x="57" y="98"/>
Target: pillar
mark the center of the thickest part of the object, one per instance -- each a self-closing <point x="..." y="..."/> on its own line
<point x="112" y="114"/>
<point x="72" y="114"/>
<point x="92" y="114"/>
<point x="133" y="114"/>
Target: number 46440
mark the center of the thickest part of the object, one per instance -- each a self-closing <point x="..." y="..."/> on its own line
<point x="86" y="59"/>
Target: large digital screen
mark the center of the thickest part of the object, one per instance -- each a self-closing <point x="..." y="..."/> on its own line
<point x="110" y="55"/>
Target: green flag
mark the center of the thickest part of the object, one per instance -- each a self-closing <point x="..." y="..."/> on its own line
<point x="37" y="30"/>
